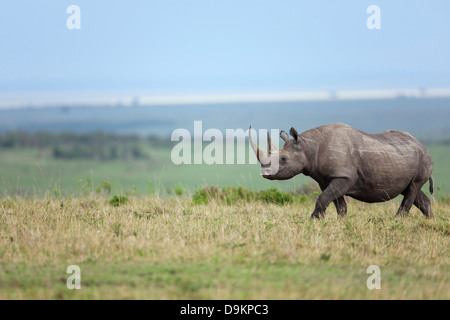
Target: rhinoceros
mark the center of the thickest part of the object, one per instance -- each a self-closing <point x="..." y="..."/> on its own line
<point x="348" y="162"/>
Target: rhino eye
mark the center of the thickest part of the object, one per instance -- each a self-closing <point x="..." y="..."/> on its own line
<point x="283" y="159"/>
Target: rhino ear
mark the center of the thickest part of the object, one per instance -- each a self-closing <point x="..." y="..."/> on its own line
<point x="284" y="136"/>
<point x="294" y="134"/>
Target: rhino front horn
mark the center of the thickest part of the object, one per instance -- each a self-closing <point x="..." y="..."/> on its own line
<point x="260" y="155"/>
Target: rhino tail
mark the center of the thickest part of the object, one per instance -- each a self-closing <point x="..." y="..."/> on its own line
<point x="431" y="185"/>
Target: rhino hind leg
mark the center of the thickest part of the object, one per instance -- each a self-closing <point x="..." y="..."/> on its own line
<point x="334" y="192"/>
<point x="424" y="204"/>
<point x="413" y="195"/>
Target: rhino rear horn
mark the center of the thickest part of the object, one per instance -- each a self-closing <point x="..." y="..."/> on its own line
<point x="294" y="133"/>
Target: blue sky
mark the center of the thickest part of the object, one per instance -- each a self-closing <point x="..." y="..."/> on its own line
<point x="199" y="46"/>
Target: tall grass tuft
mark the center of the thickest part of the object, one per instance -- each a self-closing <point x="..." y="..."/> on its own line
<point x="231" y="195"/>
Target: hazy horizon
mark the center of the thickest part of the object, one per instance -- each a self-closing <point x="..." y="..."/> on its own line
<point x="92" y="99"/>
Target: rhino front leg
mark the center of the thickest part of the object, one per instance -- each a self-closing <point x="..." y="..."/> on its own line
<point x="339" y="203"/>
<point x="341" y="206"/>
<point x="335" y="191"/>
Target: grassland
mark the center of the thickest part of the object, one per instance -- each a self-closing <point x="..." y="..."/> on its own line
<point x="161" y="245"/>
<point x="169" y="248"/>
<point x="33" y="172"/>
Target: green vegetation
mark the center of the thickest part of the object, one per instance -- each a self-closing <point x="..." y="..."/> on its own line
<point x="118" y="200"/>
<point x="170" y="248"/>
<point x="98" y="145"/>
<point x="142" y="227"/>
<point x="179" y="190"/>
<point x="28" y="170"/>
<point x="232" y="195"/>
<point x="28" y="167"/>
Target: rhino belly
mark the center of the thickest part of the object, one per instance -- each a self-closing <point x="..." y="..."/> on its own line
<point x="371" y="196"/>
<point x="380" y="188"/>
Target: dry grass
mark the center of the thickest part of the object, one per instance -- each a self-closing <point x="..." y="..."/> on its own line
<point x="168" y="248"/>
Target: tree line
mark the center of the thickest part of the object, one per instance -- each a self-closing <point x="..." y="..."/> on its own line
<point x="92" y="145"/>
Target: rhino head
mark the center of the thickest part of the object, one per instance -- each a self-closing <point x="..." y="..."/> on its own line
<point x="281" y="164"/>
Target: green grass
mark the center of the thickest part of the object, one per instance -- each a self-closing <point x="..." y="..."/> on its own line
<point x="170" y="248"/>
<point x="441" y="172"/>
<point x="231" y="195"/>
<point x="160" y="244"/>
<point x="211" y="281"/>
<point x="34" y="172"/>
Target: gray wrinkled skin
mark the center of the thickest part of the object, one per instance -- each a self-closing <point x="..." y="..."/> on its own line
<point x="348" y="162"/>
